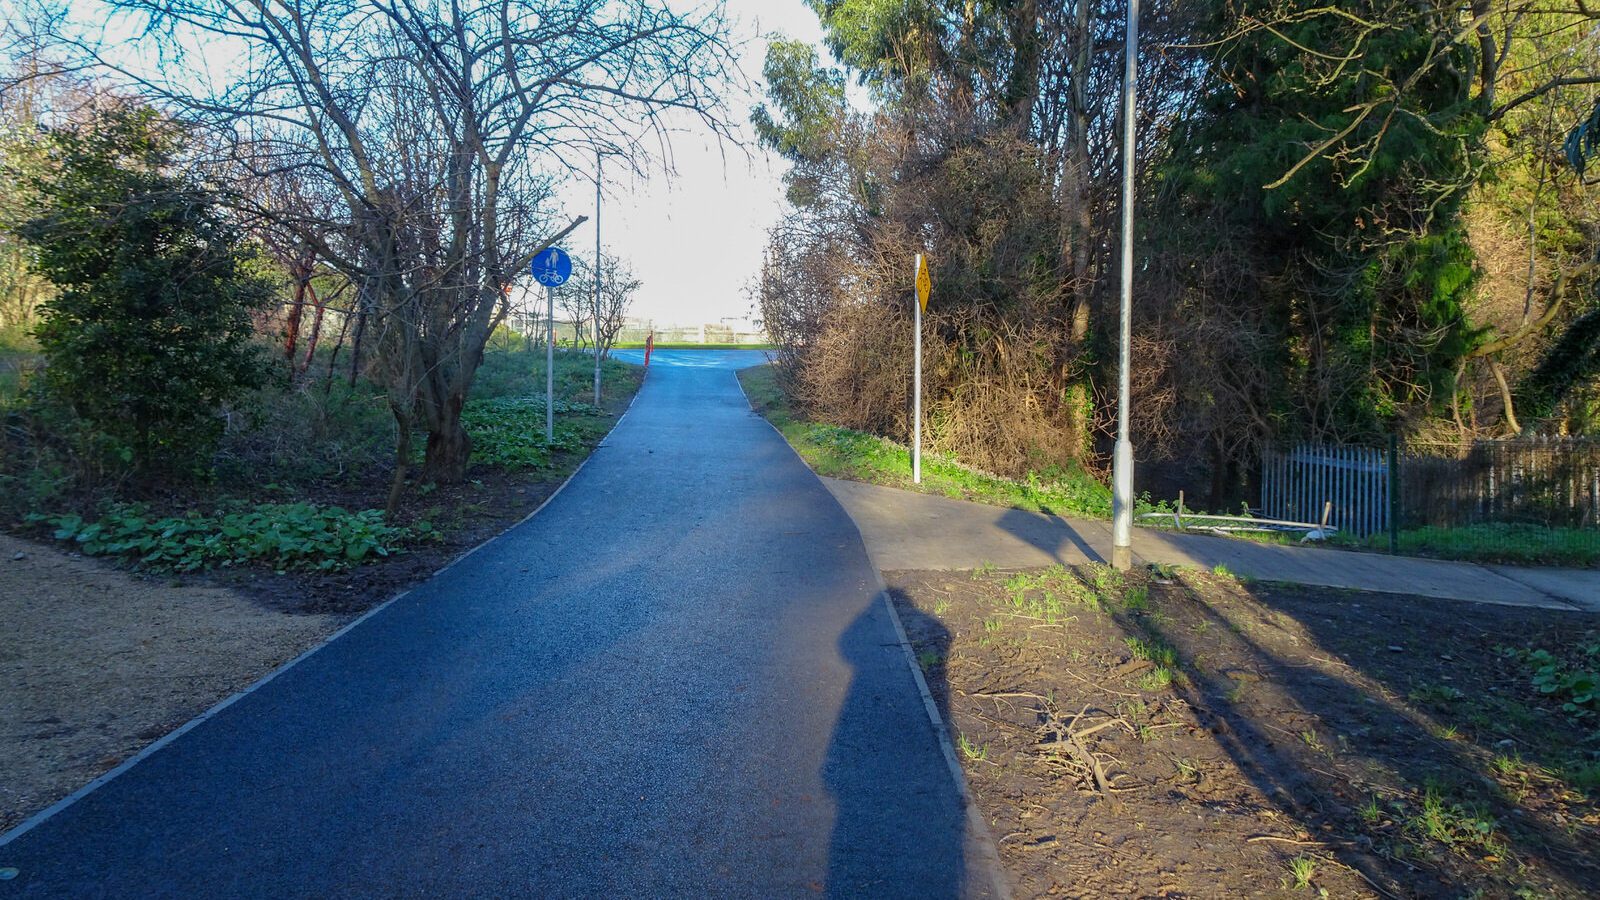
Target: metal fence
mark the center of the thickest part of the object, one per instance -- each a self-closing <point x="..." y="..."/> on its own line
<point x="1548" y="482"/>
<point x="1539" y="497"/>
<point x="1350" y="485"/>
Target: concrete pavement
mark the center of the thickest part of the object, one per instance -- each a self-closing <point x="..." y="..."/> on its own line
<point x="678" y="679"/>
<point x="906" y="530"/>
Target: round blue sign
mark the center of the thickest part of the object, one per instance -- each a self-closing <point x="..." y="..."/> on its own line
<point x="552" y="267"/>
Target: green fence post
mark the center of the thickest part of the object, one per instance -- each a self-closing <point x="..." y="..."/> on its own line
<point x="1394" y="494"/>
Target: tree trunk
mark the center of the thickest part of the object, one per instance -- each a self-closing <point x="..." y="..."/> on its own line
<point x="318" y="308"/>
<point x="402" y="461"/>
<point x="1219" y="473"/>
<point x="449" y="446"/>
<point x="1079" y="222"/>
<point x="291" y="325"/>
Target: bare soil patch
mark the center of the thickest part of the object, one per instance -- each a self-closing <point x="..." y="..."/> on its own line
<point x="97" y="663"/>
<point x="1185" y="734"/>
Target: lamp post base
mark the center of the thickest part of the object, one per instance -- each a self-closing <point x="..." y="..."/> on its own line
<point x="1122" y="506"/>
<point x="1121" y="558"/>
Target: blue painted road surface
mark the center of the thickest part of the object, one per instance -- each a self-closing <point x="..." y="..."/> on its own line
<point x="676" y="680"/>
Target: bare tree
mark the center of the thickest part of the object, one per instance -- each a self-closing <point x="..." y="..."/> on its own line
<point x="439" y="127"/>
<point x="618" y="285"/>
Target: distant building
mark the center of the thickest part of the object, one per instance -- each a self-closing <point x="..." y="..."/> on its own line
<point x="730" y="330"/>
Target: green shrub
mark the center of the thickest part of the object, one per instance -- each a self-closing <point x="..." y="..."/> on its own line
<point x="308" y="433"/>
<point x="283" y="535"/>
<point x="148" y="334"/>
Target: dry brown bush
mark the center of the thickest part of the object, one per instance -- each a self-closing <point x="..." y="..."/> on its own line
<point x="999" y="364"/>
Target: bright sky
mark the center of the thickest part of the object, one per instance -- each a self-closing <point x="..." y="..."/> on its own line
<point x="695" y="237"/>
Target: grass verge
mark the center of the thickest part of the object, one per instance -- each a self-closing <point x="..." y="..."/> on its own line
<point x="1514" y="544"/>
<point x="857" y="456"/>
<point x="1502" y="543"/>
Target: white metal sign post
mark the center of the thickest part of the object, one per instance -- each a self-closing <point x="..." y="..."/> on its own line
<point x="550" y="364"/>
<point x="924" y="283"/>
<point x="550" y="268"/>
<point x="597" y="278"/>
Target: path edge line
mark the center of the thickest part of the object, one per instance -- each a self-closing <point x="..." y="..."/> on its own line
<point x="150" y="749"/>
<point x="983" y="836"/>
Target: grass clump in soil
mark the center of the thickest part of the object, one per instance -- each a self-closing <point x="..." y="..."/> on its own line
<point x="1309" y="738"/>
<point x="858" y="456"/>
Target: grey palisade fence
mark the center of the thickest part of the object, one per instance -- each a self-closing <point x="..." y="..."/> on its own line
<point x="1296" y="482"/>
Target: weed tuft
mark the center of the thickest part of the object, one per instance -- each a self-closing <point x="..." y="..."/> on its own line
<point x="1301" y="870"/>
<point x="1154" y="650"/>
<point x="971" y="750"/>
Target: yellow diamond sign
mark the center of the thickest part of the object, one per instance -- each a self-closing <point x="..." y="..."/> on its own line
<point x="924" y="283"/>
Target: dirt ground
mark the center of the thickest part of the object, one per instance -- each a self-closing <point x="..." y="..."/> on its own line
<point x="97" y="663"/>
<point x="1181" y="733"/>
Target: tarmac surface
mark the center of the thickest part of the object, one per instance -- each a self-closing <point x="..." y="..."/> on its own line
<point x="678" y="679"/>
<point x="907" y="530"/>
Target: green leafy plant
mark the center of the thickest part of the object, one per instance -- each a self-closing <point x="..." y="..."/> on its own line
<point x="1155" y="651"/>
<point x="1576" y="688"/>
<point x="1370" y="812"/>
<point x="1157" y="679"/>
<point x="1435" y="693"/>
<point x="1457" y="824"/>
<point x="508" y="432"/>
<point x="285" y="536"/>
<point x="1188" y="768"/>
<point x="971" y="750"/>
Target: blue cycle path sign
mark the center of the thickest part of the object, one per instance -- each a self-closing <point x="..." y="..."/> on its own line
<point x="552" y="267"/>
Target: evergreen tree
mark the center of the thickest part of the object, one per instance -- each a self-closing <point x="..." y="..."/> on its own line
<point x="149" y="332"/>
<point x="1332" y="153"/>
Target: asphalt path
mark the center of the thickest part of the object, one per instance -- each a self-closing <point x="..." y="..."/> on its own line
<point x="675" y="680"/>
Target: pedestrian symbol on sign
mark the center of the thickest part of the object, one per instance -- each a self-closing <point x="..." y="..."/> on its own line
<point x="552" y="267"/>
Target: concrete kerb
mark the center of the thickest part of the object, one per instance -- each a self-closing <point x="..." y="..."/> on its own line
<point x="152" y="748"/>
<point x="983" y="837"/>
